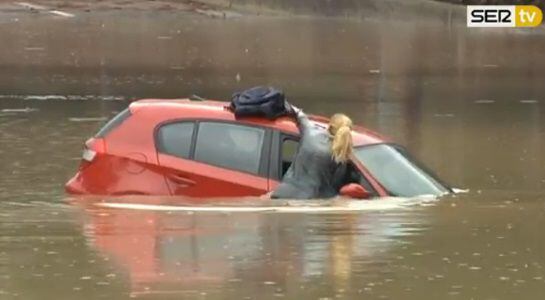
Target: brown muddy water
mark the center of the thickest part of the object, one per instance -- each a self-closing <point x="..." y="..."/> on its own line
<point x="469" y="103"/>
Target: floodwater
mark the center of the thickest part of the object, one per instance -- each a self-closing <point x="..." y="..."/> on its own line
<point x="470" y="104"/>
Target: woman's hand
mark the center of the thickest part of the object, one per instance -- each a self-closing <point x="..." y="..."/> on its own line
<point x="291" y="109"/>
<point x="296" y="110"/>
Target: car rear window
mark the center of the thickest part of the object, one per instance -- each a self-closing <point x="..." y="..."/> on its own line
<point x="114" y="123"/>
<point x="175" y="139"/>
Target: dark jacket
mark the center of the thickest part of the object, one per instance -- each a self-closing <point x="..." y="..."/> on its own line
<point x="313" y="173"/>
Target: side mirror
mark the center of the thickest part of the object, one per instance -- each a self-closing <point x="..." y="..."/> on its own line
<point x="356" y="191"/>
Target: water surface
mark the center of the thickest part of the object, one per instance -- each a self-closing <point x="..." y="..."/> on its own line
<point x="467" y="103"/>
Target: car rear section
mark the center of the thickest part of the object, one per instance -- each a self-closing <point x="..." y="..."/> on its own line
<point x="119" y="160"/>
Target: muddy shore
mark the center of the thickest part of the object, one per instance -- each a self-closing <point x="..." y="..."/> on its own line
<point x="395" y="9"/>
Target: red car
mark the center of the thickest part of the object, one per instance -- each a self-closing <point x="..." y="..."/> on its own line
<point x="199" y="149"/>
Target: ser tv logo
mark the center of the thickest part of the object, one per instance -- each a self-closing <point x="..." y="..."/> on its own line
<point x="503" y="16"/>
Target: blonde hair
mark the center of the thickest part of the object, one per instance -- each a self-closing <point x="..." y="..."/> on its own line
<point x="340" y="128"/>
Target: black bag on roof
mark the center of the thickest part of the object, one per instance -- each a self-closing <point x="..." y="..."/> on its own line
<point x="260" y="101"/>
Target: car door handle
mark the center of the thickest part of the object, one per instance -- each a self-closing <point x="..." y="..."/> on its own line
<point x="181" y="179"/>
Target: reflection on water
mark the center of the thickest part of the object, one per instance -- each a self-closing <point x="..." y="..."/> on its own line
<point x="242" y="253"/>
<point x="469" y="103"/>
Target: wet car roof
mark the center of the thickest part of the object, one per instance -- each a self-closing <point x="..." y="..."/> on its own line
<point x="167" y="109"/>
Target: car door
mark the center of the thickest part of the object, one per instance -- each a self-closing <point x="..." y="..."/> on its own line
<point x="213" y="158"/>
<point x="284" y="148"/>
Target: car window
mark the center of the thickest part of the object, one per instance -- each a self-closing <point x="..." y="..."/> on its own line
<point x="289" y="149"/>
<point x="113" y="123"/>
<point x="398" y="173"/>
<point x="353" y="175"/>
<point x="175" y="139"/>
<point x="230" y="146"/>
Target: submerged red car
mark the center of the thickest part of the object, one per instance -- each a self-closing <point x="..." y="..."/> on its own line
<point x="199" y="149"/>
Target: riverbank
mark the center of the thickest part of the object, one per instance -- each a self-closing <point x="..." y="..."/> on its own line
<point x="539" y="3"/>
<point x="421" y="10"/>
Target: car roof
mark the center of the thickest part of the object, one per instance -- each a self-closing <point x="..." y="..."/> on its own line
<point x="163" y="110"/>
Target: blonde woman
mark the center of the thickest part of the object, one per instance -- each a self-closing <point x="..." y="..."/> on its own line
<point x="319" y="166"/>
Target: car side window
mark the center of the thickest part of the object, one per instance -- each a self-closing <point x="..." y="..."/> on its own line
<point x="175" y="139"/>
<point x="288" y="151"/>
<point x="230" y="146"/>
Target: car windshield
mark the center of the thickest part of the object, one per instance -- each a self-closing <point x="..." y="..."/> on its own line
<point x="397" y="173"/>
